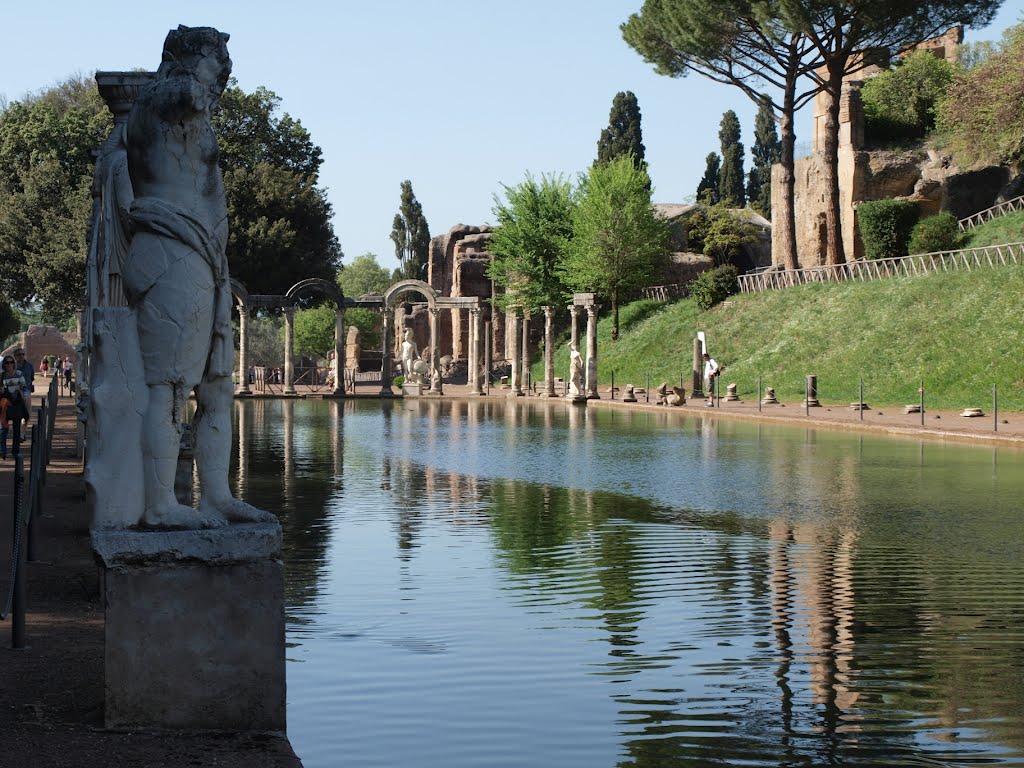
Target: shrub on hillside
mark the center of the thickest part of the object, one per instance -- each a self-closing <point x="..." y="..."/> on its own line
<point x="885" y="227"/>
<point x="715" y="285"/>
<point x="900" y="103"/>
<point x="940" y="232"/>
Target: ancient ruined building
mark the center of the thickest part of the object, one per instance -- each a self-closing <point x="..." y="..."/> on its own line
<point x="923" y="175"/>
<point x="457" y="267"/>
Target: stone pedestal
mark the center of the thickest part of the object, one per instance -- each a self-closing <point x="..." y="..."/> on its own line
<point x="194" y="629"/>
<point x="412" y="390"/>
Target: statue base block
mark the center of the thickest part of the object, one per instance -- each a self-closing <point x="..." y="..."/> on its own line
<point x="195" y="629"/>
<point x="412" y="390"/>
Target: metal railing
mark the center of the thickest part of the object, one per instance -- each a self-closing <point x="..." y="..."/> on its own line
<point x="876" y="269"/>
<point x="1000" y="209"/>
<point x="23" y="545"/>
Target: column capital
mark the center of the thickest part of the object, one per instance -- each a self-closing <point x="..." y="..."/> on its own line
<point x="593" y="309"/>
<point x="549" y="312"/>
<point x="574" y="310"/>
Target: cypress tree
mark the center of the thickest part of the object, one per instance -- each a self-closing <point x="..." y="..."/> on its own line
<point x="411" y="236"/>
<point x="707" y="190"/>
<point x="767" y="151"/>
<point x="730" y="179"/>
<point x="623" y="134"/>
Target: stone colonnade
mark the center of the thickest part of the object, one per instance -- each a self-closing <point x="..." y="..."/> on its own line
<point x="518" y="330"/>
<point x="519" y="355"/>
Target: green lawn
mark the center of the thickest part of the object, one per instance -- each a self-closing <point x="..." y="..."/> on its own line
<point x="959" y="333"/>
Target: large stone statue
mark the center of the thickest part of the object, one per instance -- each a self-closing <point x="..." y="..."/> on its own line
<point x="175" y="277"/>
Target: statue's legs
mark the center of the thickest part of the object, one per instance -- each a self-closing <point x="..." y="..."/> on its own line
<point x="212" y="431"/>
<point x="161" y="442"/>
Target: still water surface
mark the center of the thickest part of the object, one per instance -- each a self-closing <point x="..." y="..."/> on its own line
<point x="486" y="584"/>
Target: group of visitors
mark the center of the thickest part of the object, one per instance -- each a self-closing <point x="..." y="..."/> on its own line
<point x="16" y="387"/>
<point x="65" y="367"/>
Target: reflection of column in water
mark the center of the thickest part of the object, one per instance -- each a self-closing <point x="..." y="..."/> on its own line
<point x="288" y="449"/>
<point x="782" y="587"/>
<point x="826" y="573"/>
<point x="242" y="409"/>
<point x="337" y="421"/>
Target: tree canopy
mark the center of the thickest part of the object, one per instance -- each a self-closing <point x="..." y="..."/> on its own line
<point x="901" y="102"/>
<point x="619" y="243"/>
<point x="982" y="116"/>
<point x="623" y="134"/>
<point x="364" y="276"/>
<point x="707" y="188"/>
<point x="411" y="236"/>
<point x="766" y="152"/>
<point x="279" y="219"/>
<point x="730" y="178"/>
<point x="314" y="331"/>
<point x="45" y="194"/>
<point x="534" y="226"/>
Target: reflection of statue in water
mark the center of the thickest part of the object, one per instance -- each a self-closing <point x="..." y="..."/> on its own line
<point x="413" y="366"/>
<point x="575" y="371"/>
<point x="176" y="278"/>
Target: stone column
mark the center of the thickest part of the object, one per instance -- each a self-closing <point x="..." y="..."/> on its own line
<point x="549" y="352"/>
<point x="473" y="365"/>
<point x="243" y="352"/>
<point x="488" y="356"/>
<point x="512" y="336"/>
<point x="698" y="368"/>
<point x="574" y="335"/>
<point x="339" y="352"/>
<point x="385" y="363"/>
<point x="435" y="353"/>
<point x="591" y="387"/>
<point x="525" y="351"/>
<point x="289" y="338"/>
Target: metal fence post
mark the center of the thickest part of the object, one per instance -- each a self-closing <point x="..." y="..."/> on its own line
<point x="18" y="600"/>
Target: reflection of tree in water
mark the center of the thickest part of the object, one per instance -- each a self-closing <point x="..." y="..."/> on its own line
<point x="291" y="460"/>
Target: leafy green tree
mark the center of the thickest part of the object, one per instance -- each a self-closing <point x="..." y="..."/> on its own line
<point x="982" y="116"/>
<point x="623" y="134"/>
<point x="45" y="194"/>
<point x="411" y="236"/>
<point x="314" y="331"/>
<point x="534" y="227"/>
<point x="730" y="180"/>
<point x="741" y="43"/>
<point x="619" y="243"/>
<point x="839" y="32"/>
<point x="766" y="152"/>
<point x="279" y="219"/>
<point x="707" y="189"/>
<point x="266" y="341"/>
<point x="900" y="103"/>
<point x="720" y="232"/>
<point x="363" y="276"/>
<point x="714" y="286"/>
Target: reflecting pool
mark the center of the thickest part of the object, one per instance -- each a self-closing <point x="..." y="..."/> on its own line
<point x="528" y="584"/>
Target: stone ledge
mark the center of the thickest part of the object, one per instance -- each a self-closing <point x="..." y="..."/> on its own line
<point x="234" y="544"/>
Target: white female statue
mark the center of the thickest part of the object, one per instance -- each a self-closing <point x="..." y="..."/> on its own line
<point x="575" y="371"/>
<point x="412" y="366"/>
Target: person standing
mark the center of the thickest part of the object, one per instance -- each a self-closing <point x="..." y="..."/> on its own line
<point x="12" y="385"/>
<point x="28" y="373"/>
<point x="711" y="370"/>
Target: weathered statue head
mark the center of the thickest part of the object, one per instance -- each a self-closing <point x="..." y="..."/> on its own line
<point x="186" y="48"/>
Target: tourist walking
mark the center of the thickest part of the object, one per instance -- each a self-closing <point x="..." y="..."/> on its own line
<point x="68" y="367"/>
<point x="711" y="371"/>
<point x="13" y="409"/>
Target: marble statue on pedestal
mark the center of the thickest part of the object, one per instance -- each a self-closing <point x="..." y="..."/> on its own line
<point x="575" y="372"/>
<point x="175" y="279"/>
<point x="413" y="366"/>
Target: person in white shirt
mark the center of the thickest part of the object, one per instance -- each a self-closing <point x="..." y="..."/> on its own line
<point x="711" y="369"/>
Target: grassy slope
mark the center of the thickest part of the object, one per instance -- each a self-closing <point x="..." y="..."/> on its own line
<point x="958" y="332"/>
<point x="1005" y="229"/>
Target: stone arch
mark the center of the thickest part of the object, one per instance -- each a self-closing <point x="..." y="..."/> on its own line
<point x="317" y="285"/>
<point x="239" y="293"/>
<point x="410" y="285"/>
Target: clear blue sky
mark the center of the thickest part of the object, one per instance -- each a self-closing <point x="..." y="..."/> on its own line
<point x="457" y="96"/>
